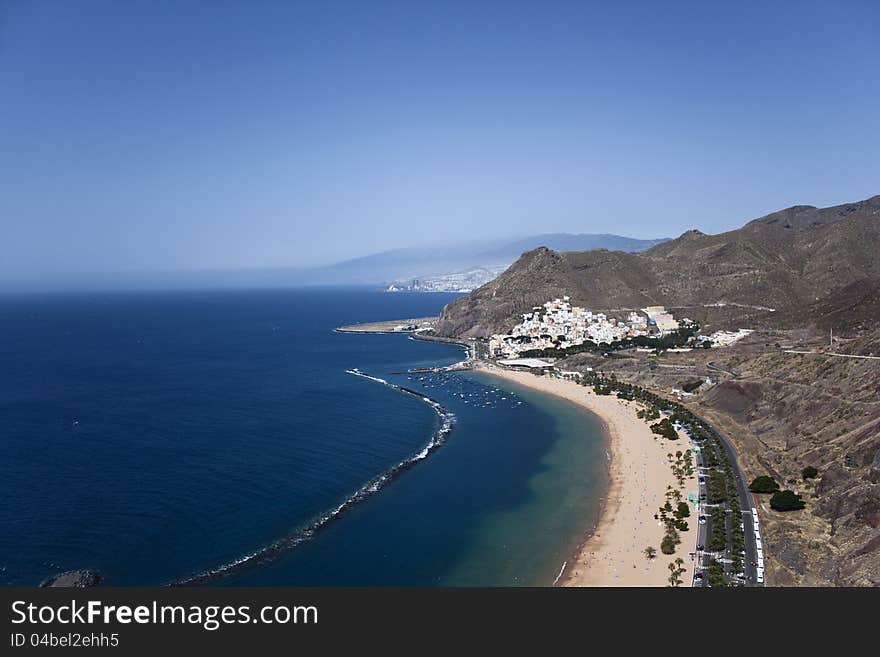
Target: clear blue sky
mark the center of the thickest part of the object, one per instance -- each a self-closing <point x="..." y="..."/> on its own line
<point x="165" y="135"/>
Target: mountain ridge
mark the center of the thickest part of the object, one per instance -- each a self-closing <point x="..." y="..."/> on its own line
<point x="419" y="262"/>
<point x="786" y="261"/>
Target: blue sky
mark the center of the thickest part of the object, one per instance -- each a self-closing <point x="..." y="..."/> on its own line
<point x="186" y="135"/>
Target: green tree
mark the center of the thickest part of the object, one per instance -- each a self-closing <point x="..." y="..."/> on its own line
<point x="809" y="472"/>
<point x="665" y="429"/>
<point x="716" y="574"/>
<point x="764" y="484"/>
<point x="684" y="510"/>
<point x="676" y="570"/>
<point x="786" y="500"/>
<point x="716" y="487"/>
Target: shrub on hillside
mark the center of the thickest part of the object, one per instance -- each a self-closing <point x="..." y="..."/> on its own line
<point x="809" y="472"/>
<point x="764" y="484"/>
<point x="786" y="500"/>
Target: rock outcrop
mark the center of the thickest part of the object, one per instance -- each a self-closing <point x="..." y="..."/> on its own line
<point x="74" y="579"/>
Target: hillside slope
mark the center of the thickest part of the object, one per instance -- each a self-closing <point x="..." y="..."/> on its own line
<point x="785" y="411"/>
<point x="789" y="411"/>
<point x="773" y="271"/>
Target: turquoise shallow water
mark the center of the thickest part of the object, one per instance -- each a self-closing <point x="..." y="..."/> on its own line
<point x="157" y="436"/>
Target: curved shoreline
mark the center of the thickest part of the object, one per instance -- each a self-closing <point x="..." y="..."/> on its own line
<point x="282" y="545"/>
<point x="611" y="552"/>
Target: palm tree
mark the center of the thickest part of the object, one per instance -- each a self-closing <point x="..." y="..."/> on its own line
<point x="650" y="552"/>
<point x="674" y="579"/>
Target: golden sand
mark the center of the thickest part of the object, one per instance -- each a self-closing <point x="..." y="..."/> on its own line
<point x="613" y="555"/>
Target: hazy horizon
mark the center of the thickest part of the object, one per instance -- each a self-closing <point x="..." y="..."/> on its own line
<point x="165" y="137"/>
<point x="232" y="277"/>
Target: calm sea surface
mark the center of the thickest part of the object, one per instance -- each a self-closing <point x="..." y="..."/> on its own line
<point x="154" y="436"/>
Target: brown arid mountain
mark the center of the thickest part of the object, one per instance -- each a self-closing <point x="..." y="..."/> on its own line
<point x="774" y="272"/>
<point x="817" y="269"/>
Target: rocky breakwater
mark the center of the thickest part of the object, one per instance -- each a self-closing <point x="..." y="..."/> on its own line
<point x="78" y="579"/>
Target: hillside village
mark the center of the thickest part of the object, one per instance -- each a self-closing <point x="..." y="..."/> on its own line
<point x="560" y="325"/>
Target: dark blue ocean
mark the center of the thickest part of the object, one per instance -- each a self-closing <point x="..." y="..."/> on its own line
<point x="156" y="436"/>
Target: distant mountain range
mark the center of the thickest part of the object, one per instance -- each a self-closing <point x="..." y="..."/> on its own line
<point x="477" y="261"/>
<point x="798" y="266"/>
<point x="402" y="265"/>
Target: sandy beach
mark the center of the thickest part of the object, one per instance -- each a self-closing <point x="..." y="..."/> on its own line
<point x="613" y="555"/>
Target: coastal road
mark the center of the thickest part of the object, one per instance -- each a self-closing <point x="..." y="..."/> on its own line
<point x="701" y="561"/>
<point x="746" y="504"/>
<point x="826" y="353"/>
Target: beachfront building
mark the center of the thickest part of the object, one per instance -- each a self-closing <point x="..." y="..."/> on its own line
<point x="526" y="363"/>
<point x="663" y="321"/>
